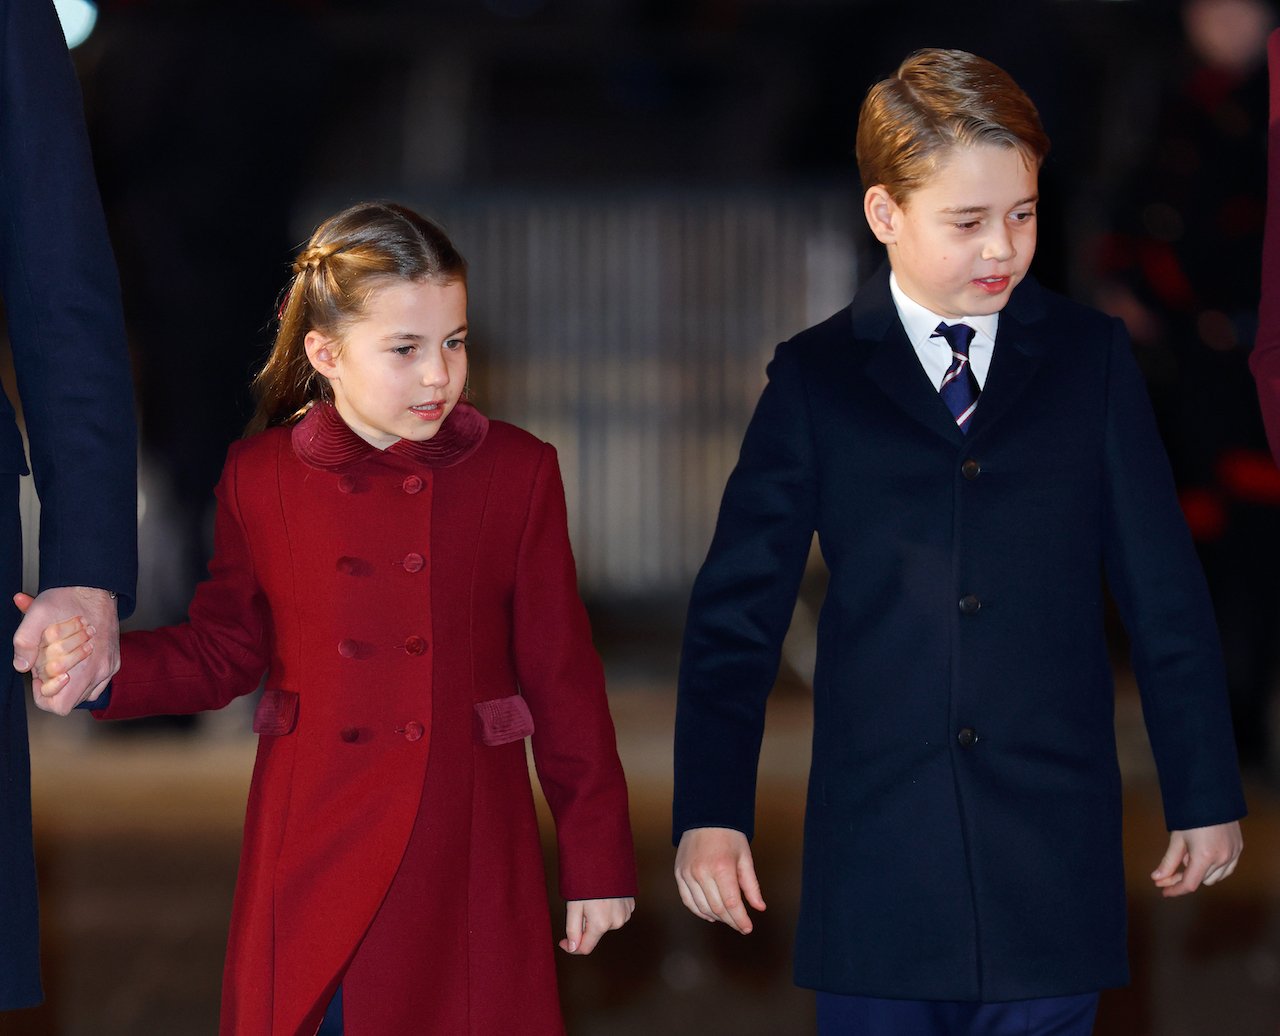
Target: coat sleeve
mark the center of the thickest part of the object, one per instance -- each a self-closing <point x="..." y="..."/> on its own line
<point x="221" y="652"/>
<point x="62" y="300"/>
<point x="1155" y="576"/>
<point x="560" y="676"/>
<point x="741" y="606"/>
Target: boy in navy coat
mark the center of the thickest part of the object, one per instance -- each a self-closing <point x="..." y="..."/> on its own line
<point x="975" y="453"/>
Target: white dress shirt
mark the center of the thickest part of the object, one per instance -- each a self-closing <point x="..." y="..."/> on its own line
<point x="935" y="353"/>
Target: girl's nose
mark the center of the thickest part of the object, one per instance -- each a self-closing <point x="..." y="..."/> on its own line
<point x="434" y="370"/>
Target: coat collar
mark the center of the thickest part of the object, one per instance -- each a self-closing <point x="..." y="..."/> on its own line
<point x="895" y="369"/>
<point x="322" y="439"/>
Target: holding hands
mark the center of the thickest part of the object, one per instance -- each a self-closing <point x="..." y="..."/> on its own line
<point x="71" y="660"/>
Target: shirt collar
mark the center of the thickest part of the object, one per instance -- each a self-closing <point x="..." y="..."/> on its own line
<point x="920" y="323"/>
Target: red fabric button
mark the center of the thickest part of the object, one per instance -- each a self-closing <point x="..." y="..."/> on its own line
<point x="412" y="731"/>
<point x="348" y="566"/>
<point x="347" y="484"/>
<point x="412" y="484"/>
<point x="349" y="735"/>
<point x="348" y="648"/>
<point x="413" y="562"/>
<point x="415" y="645"/>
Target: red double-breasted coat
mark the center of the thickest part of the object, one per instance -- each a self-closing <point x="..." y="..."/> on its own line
<point x="416" y="613"/>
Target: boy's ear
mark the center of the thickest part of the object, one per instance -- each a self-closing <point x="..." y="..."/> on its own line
<point x="882" y="214"/>
<point x="322" y="352"/>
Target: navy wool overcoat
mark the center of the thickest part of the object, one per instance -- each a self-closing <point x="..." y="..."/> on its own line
<point x="962" y="834"/>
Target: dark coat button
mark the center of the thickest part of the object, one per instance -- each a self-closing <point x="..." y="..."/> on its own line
<point x="413" y="562"/>
<point x="412" y="484"/>
<point x="350" y="735"/>
<point x="347" y="484"/>
<point x="412" y="731"/>
<point x="968" y="737"/>
<point x="969" y="605"/>
<point x="348" y="648"/>
<point x="971" y="469"/>
<point x="415" y="645"/>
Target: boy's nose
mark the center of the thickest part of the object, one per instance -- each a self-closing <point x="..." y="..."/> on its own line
<point x="999" y="246"/>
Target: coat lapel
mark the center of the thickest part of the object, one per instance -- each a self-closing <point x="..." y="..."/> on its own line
<point x="895" y="369"/>
<point x="893" y="366"/>
<point x="1020" y="351"/>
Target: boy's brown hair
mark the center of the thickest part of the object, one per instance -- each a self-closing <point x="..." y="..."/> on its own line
<point x="938" y="100"/>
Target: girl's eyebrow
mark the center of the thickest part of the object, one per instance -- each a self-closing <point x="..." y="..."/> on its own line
<point x="413" y="336"/>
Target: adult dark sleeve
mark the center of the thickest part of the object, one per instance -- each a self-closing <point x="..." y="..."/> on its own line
<point x="66" y="326"/>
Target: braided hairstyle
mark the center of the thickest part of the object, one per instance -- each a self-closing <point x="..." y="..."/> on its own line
<point x="348" y="258"/>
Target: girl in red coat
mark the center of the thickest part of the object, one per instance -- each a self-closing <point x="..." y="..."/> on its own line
<point x="399" y="568"/>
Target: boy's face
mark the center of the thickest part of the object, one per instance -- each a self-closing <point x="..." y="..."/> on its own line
<point x="962" y="242"/>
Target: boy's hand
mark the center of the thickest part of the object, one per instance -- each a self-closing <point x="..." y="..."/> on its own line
<point x="1200" y="856"/>
<point x="714" y="872"/>
<point x="60" y="646"/>
<point x="586" y="920"/>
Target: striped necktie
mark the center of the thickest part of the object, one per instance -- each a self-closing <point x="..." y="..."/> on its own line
<point x="959" y="387"/>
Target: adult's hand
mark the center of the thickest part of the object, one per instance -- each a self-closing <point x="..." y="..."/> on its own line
<point x="88" y="679"/>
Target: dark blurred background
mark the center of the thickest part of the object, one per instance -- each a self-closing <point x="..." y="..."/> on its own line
<point x="651" y="194"/>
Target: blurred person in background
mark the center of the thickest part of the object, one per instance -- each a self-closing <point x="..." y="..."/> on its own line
<point x="1265" y="359"/>
<point x="1179" y="265"/>
<point x="62" y="301"/>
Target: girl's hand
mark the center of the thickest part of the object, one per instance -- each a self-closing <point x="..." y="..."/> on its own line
<point x="63" y="646"/>
<point x="586" y="920"/>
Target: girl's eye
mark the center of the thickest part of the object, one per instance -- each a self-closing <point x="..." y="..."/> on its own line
<point x="403" y="350"/>
<point x="454" y="344"/>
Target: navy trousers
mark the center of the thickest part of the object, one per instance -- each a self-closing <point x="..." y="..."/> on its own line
<point x="332" y="1023"/>
<point x="870" y="1016"/>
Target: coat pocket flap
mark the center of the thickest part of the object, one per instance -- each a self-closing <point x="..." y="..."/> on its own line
<point x="500" y="721"/>
<point x="277" y="713"/>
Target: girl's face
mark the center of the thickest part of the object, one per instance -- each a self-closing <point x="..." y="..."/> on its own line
<point x="400" y="369"/>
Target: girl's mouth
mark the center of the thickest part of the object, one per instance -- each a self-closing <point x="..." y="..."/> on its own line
<point x="428" y="411"/>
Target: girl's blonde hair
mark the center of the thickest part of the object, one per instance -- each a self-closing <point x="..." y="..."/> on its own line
<point x="936" y="101"/>
<point x="348" y="258"/>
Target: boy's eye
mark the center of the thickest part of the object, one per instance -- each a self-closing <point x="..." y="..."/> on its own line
<point x="1023" y="217"/>
<point x="404" y="350"/>
<point x="454" y="344"/>
<point x="967" y="225"/>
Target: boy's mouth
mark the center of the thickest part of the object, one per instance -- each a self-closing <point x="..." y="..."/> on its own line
<point x="992" y="285"/>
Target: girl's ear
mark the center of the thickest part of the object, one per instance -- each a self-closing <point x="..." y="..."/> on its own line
<point x="882" y="214"/>
<point x="322" y="352"/>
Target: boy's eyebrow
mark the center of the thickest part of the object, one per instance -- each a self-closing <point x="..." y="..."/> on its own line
<point x="977" y="210"/>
